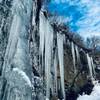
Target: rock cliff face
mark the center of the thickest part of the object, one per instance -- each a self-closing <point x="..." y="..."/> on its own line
<point x="37" y="62"/>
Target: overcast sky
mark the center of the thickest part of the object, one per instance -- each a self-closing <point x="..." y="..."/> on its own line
<point x="83" y="15"/>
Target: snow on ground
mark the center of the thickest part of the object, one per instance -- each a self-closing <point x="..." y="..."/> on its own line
<point x="95" y="95"/>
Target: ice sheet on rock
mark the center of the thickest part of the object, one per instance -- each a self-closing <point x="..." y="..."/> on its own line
<point x="17" y="51"/>
<point x="23" y="9"/>
<point x="60" y="40"/>
<point x="19" y="9"/>
<point x="12" y="42"/>
<point x="24" y="76"/>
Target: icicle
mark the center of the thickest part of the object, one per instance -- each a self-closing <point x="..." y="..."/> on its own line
<point x="77" y="53"/>
<point x="68" y="42"/>
<point x="93" y="67"/>
<point x="48" y="55"/>
<point x="61" y="61"/>
<point x="73" y="55"/>
<point x="42" y="33"/>
<point x="55" y="72"/>
<point x="1" y="26"/>
<point x="90" y="66"/>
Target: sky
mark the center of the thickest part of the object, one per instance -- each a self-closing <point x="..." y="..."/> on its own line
<point x="83" y="16"/>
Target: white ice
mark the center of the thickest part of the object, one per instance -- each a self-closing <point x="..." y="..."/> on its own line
<point x="73" y="55"/>
<point x="46" y="39"/>
<point x="90" y="66"/>
<point x="42" y="31"/>
<point x="24" y="76"/>
<point x="77" y="53"/>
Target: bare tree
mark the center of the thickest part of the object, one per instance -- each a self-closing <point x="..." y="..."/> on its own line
<point x="93" y="43"/>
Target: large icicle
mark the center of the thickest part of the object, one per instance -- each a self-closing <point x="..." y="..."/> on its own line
<point x="48" y="55"/>
<point x="90" y="66"/>
<point x="42" y="32"/>
<point x="60" y="40"/>
<point x="73" y="55"/>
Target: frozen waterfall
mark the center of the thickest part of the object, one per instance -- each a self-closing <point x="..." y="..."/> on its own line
<point x="12" y="42"/>
<point x="16" y="68"/>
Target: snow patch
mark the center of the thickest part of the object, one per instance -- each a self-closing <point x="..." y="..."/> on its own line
<point x="24" y="76"/>
<point x="95" y="95"/>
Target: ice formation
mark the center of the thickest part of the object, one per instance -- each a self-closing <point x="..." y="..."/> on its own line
<point x="60" y="40"/>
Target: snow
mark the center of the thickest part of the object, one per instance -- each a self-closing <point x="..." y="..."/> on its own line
<point x="95" y="95"/>
<point x="24" y="76"/>
<point x="60" y="40"/>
